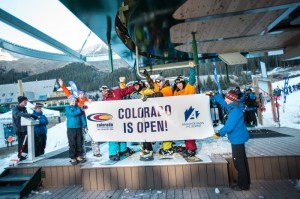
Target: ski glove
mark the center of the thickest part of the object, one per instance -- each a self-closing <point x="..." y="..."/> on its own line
<point x="209" y="93"/>
<point x="216" y="135"/>
<point x="34" y="116"/>
<point x="143" y="98"/>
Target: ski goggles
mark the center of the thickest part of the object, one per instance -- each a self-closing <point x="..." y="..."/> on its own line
<point x="179" y="80"/>
<point x="103" y="88"/>
<point x="157" y="81"/>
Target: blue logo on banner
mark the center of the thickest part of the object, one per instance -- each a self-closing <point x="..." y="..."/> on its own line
<point x="191" y="114"/>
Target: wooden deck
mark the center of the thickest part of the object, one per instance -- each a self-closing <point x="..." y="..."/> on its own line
<point x="259" y="189"/>
<point x="273" y="158"/>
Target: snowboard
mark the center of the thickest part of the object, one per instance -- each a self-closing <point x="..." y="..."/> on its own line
<point x="193" y="159"/>
<point x="165" y="157"/>
<point x="112" y="162"/>
<point x="14" y="162"/>
<point x="74" y="88"/>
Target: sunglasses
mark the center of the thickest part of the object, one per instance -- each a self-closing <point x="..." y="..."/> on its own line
<point x="157" y="81"/>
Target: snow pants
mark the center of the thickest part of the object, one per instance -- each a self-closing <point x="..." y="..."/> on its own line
<point x="75" y="139"/>
<point x="241" y="165"/>
<point x="190" y="145"/>
<point x="116" y="147"/>
<point x="167" y="145"/>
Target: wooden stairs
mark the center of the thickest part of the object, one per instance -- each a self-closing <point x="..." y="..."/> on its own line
<point x="16" y="185"/>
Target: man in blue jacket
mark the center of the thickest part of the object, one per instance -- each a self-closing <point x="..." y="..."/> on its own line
<point x="40" y="131"/>
<point x="238" y="135"/>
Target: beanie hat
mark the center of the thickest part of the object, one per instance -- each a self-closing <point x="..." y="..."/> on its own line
<point x="179" y="79"/>
<point x="161" y="78"/>
<point x="71" y="98"/>
<point x="231" y="95"/>
<point x="81" y="92"/>
<point x="21" y="99"/>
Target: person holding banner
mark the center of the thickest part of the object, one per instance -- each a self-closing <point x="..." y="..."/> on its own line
<point x="116" y="149"/>
<point x="81" y="99"/>
<point x="238" y="135"/>
<point x="187" y="88"/>
<point x="162" y="86"/>
<point x="140" y="92"/>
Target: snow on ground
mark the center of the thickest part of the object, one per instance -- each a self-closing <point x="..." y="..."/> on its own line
<point x="289" y="117"/>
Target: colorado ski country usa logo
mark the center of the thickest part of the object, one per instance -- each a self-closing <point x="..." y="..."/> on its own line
<point x="99" y="117"/>
<point x="103" y="118"/>
<point x="191" y="118"/>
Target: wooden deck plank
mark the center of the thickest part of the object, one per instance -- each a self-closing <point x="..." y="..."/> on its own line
<point x="150" y="178"/>
<point x="93" y="180"/>
<point x="164" y="177"/>
<point x="86" y="180"/>
<point x="66" y="176"/>
<point x="174" y="174"/>
<point x="135" y="178"/>
<point x="128" y="180"/>
<point x="195" y="175"/>
<point x="187" y="176"/>
<point x="267" y="168"/>
<point x="121" y="178"/>
<point x="114" y="178"/>
<point x="275" y="168"/>
<point x="107" y="180"/>
<point x="259" y="189"/>
<point x="157" y="177"/>
<point x="72" y="175"/>
<point x="142" y="177"/>
<point x="203" y="175"/>
<point x="100" y="179"/>
<point x="283" y="167"/>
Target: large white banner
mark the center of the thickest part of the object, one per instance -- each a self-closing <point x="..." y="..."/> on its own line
<point x="157" y="119"/>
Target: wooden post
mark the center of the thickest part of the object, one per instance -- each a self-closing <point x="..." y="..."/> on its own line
<point x="195" y="56"/>
<point x="21" y="93"/>
<point x="256" y="90"/>
<point x="272" y="101"/>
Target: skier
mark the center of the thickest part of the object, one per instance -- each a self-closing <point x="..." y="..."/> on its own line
<point x="142" y="92"/>
<point x="81" y="99"/>
<point x="75" y="122"/>
<point x="116" y="149"/>
<point x="187" y="88"/>
<point x="249" y="99"/>
<point x="161" y="85"/>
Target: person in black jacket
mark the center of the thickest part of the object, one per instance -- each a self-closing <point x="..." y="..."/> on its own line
<point x="21" y="131"/>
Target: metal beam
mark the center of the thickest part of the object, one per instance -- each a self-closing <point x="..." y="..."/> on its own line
<point x="33" y="32"/>
<point x="35" y="53"/>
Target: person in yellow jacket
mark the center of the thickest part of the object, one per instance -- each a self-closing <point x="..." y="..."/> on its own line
<point x="187" y="88"/>
<point x="140" y="91"/>
<point x="161" y="85"/>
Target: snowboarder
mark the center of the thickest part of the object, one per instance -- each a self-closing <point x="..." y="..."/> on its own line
<point x="81" y="99"/>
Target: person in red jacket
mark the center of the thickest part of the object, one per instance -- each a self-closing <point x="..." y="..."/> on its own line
<point x="81" y="99"/>
<point x="116" y="149"/>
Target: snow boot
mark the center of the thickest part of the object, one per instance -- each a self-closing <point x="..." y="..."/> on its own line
<point x="128" y="152"/>
<point x="73" y="161"/>
<point x="146" y="155"/>
<point x="166" y="152"/>
<point x="80" y="160"/>
<point x="189" y="153"/>
<point x="114" y="157"/>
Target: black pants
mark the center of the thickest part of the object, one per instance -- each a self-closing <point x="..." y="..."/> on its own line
<point x="241" y="165"/>
<point x="250" y="116"/>
<point x="40" y="144"/>
<point x="21" y="137"/>
<point x="75" y="139"/>
<point x="147" y="146"/>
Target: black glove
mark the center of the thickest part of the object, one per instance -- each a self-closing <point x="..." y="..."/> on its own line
<point x="34" y="116"/>
<point x="209" y="93"/>
<point x="145" y="72"/>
